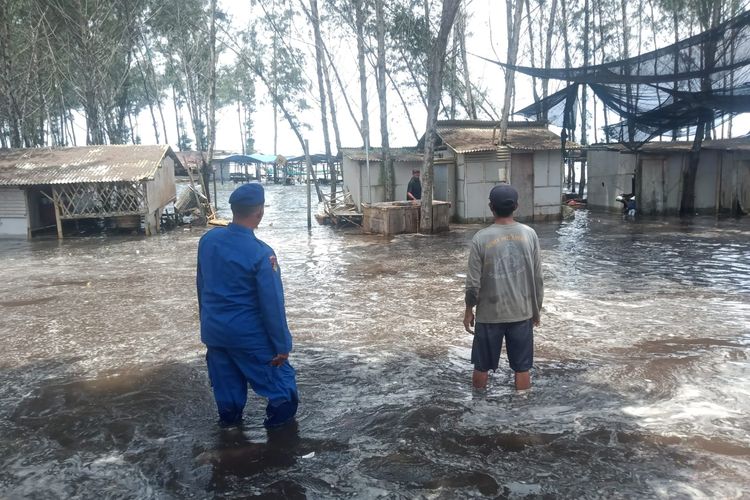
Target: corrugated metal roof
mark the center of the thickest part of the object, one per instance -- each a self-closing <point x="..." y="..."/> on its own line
<point x="734" y="144"/>
<point x="475" y="136"/>
<point x="192" y="159"/>
<point x="90" y="164"/>
<point x="376" y="154"/>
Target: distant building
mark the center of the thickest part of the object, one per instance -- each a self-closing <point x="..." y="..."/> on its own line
<point x="654" y="174"/>
<point x="43" y="189"/>
<point x="468" y="161"/>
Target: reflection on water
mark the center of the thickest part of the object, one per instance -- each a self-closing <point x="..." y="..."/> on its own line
<point x="641" y="379"/>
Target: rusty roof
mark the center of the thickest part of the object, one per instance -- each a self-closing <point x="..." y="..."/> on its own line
<point x="470" y="136"/>
<point x="86" y="164"/>
<point x="734" y="144"/>
<point x="193" y="159"/>
<point x="376" y="154"/>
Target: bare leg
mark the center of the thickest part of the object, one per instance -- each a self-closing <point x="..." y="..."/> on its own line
<point x="479" y="379"/>
<point x="523" y="380"/>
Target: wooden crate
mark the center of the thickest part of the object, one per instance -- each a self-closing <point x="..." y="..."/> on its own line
<point x="402" y="217"/>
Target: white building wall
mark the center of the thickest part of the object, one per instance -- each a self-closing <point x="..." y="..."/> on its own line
<point x="13" y="213"/>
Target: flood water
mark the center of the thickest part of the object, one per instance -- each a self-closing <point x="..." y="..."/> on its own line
<point x="641" y="377"/>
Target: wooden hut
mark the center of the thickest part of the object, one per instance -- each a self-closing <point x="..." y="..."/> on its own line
<point x="44" y="188"/>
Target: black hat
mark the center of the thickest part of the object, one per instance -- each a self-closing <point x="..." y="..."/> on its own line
<point x="504" y="196"/>
<point x="248" y="195"/>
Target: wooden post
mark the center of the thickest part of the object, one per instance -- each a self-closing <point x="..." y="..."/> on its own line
<point x="216" y="202"/>
<point x="309" y="196"/>
<point x="58" y="219"/>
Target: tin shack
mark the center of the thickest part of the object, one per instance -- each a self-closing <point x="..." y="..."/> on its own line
<point x="470" y="160"/>
<point x="654" y="173"/>
<point x="48" y="189"/>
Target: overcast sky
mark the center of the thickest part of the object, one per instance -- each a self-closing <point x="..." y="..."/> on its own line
<point x="486" y="37"/>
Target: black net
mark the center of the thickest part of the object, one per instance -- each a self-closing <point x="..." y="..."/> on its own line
<point x="702" y="79"/>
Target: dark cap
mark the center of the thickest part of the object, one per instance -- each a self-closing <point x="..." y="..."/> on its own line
<point x="504" y="196"/>
<point x="248" y="195"/>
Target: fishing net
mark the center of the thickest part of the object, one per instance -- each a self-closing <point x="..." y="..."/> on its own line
<point x="702" y="79"/>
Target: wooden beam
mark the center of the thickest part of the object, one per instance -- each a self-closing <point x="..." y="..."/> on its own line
<point x="58" y="220"/>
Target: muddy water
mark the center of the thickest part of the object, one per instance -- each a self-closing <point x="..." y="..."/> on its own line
<point x="641" y="380"/>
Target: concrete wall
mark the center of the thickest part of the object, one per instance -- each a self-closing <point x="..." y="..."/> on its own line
<point x="609" y="174"/>
<point x="13" y="213"/>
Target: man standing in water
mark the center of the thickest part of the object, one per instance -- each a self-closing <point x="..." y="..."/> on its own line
<point x="414" y="188"/>
<point x="242" y="316"/>
<point x="504" y="282"/>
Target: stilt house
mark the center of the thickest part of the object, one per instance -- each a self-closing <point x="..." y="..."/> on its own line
<point x="44" y="189"/>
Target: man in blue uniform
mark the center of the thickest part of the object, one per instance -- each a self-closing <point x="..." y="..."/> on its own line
<point x="243" y="321"/>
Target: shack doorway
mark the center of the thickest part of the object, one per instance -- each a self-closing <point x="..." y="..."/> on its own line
<point x="440" y="185"/>
<point x="41" y="211"/>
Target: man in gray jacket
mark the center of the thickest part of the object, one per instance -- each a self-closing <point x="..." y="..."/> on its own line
<point x="504" y="283"/>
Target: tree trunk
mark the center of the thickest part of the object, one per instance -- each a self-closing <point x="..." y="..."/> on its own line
<point x="626" y="55"/>
<point x="471" y="108"/>
<point x="360" y="20"/>
<point x="177" y="118"/>
<point x="405" y="106"/>
<point x="7" y="87"/>
<point x="602" y="61"/>
<point x="687" y="204"/>
<point x="382" y="98"/>
<point x="319" y="63"/>
<point x="586" y="62"/>
<point x="584" y="94"/>
<point x="414" y="78"/>
<point x="514" y="35"/>
<point x="357" y="122"/>
<point x="434" y="90"/>
<point x="332" y="104"/>
<point x="239" y="123"/>
<point x="206" y="170"/>
<point x="531" y="51"/>
<point x="149" y="100"/>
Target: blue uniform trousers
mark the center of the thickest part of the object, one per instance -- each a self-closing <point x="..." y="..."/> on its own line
<point x="231" y="369"/>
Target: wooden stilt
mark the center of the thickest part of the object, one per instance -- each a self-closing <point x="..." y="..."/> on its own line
<point x="58" y="216"/>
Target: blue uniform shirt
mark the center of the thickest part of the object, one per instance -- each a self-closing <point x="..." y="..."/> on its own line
<point x="240" y="295"/>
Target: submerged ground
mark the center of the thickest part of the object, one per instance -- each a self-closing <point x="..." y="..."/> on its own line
<point x="641" y="380"/>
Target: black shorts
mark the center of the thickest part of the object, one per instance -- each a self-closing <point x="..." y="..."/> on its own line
<point x="488" y="342"/>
